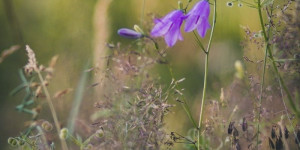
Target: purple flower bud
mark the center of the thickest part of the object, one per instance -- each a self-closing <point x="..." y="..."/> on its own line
<point x="128" y="33"/>
<point x="198" y="18"/>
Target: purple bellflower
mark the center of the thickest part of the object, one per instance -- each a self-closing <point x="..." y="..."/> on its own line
<point x="128" y="33"/>
<point x="198" y="18"/>
<point x="169" y="27"/>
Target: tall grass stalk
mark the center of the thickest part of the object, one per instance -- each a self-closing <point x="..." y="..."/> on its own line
<point x="205" y="73"/>
<point x="78" y="99"/>
<point x="263" y="73"/>
<point x="52" y="109"/>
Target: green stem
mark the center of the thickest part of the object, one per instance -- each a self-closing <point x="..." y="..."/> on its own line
<point x="52" y="109"/>
<point x="281" y="82"/>
<point x="261" y="92"/>
<point x="264" y="69"/>
<point x="285" y="60"/>
<point x="205" y="74"/>
<point x="271" y="57"/>
<point x="199" y="42"/>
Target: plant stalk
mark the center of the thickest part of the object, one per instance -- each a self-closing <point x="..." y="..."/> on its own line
<point x="205" y="74"/>
<point x="52" y="109"/>
<point x="281" y="81"/>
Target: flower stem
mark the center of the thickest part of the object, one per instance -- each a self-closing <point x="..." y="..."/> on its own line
<point x="53" y="112"/>
<point x="264" y="70"/>
<point x="281" y="81"/>
<point x="205" y="74"/>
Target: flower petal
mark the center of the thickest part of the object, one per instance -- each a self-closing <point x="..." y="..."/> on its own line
<point x="160" y="29"/>
<point x="180" y="36"/>
<point x="203" y="27"/>
<point x="191" y="23"/>
<point x="198" y="13"/>
<point x="173" y="35"/>
<point x="169" y="26"/>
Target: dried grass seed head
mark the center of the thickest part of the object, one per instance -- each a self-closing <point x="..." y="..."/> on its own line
<point x="32" y="63"/>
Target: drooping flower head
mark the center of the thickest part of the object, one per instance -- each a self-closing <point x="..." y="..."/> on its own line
<point x="169" y="27"/>
<point x="198" y="18"/>
<point x="128" y="33"/>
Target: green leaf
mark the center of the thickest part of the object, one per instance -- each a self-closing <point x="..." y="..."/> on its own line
<point x="17" y="89"/>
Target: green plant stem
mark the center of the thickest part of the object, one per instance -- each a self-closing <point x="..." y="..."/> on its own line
<point x="285" y="60"/>
<point x="263" y="73"/>
<point x="261" y="92"/>
<point x="205" y="74"/>
<point x="52" y="109"/>
<point x="281" y="81"/>
<point x="289" y="96"/>
<point x="271" y="57"/>
<point x="199" y="42"/>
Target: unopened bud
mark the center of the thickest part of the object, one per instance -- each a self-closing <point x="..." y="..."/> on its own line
<point x="239" y="69"/>
<point x="128" y="33"/>
<point x="100" y="133"/>
<point x="47" y="126"/>
<point x="180" y="5"/>
<point x="63" y="133"/>
<point x="89" y="146"/>
<point x="12" y="141"/>
<point x="138" y="29"/>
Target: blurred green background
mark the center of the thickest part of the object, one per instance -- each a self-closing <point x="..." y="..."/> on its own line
<point x="77" y="30"/>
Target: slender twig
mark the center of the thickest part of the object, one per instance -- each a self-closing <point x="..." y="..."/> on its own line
<point x="285" y="60"/>
<point x="52" y="109"/>
<point x="205" y="73"/>
<point x="184" y="104"/>
<point x="199" y="42"/>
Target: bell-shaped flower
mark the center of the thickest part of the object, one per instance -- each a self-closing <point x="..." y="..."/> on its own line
<point x="198" y="18"/>
<point x="169" y="27"/>
<point x="128" y="33"/>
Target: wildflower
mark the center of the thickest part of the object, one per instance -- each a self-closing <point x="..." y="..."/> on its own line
<point x="169" y="27"/>
<point x="230" y="127"/>
<point x="244" y="124"/>
<point x="286" y="132"/>
<point x="198" y="18"/>
<point x="128" y="33"/>
<point x="273" y="133"/>
<point x="100" y="133"/>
